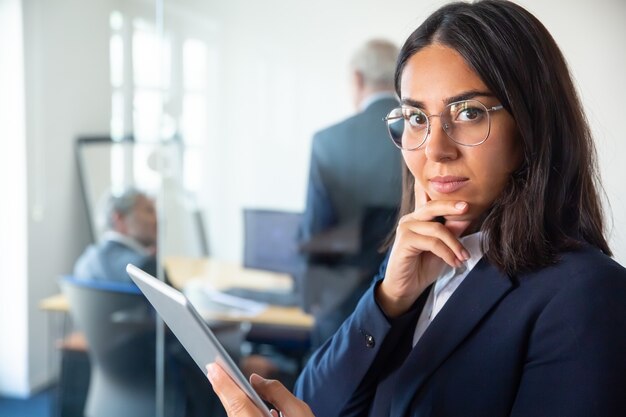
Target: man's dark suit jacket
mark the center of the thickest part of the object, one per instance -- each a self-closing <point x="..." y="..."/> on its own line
<point x="549" y="343"/>
<point x="355" y="172"/>
<point x="354" y="165"/>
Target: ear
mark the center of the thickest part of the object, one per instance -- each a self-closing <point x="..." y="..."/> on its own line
<point x="359" y="81"/>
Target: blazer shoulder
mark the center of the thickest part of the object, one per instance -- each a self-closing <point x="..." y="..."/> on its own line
<point x="582" y="274"/>
<point x="591" y="264"/>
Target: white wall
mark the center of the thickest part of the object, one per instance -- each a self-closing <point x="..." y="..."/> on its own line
<point x="283" y="75"/>
<point x="67" y="94"/>
<point x="65" y="73"/>
<point x="13" y="211"/>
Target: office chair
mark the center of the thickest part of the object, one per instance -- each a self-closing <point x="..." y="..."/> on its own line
<point x="120" y="331"/>
<point x="334" y="289"/>
<point x="271" y="244"/>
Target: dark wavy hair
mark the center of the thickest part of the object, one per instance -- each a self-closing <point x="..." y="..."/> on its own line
<point x="551" y="203"/>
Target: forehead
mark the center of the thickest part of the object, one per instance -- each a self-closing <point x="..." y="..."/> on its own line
<point x="435" y="73"/>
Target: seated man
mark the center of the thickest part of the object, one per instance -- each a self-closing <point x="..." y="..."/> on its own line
<point x="131" y="237"/>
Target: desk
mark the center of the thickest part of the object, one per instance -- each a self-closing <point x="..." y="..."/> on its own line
<point x="222" y="275"/>
<point x="56" y="302"/>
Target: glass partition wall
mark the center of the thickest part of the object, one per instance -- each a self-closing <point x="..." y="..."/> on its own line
<point x="159" y="99"/>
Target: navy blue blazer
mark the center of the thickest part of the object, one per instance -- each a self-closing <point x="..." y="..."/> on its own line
<point x="547" y="343"/>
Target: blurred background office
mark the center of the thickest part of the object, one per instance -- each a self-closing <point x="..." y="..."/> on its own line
<point x="221" y="100"/>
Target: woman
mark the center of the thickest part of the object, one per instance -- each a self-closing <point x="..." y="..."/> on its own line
<point x="498" y="296"/>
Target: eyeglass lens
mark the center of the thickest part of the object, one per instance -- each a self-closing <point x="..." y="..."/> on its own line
<point x="465" y="122"/>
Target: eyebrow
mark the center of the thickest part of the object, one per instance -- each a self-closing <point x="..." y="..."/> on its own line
<point x="466" y="95"/>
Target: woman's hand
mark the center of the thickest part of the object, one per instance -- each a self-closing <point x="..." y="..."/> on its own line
<point x="420" y="249"/>
<point x="237" y="404"/>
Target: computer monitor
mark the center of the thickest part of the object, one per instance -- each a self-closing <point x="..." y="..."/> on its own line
<point x="271" y="241"/>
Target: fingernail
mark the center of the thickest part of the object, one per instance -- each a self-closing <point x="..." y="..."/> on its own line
<point x="466" y="254"/>
<point x="461" y="205"/>
<point x="256" y="378"/>
<point x="210" y="371"/>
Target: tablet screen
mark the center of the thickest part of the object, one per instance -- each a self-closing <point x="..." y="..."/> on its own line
<point x="190" y="329"/>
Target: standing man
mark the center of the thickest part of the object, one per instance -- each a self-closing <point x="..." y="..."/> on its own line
<point x="353" y="163"/>
<point x="354" y="171"/>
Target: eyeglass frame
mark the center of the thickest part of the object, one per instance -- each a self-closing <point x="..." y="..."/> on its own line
<point x="428" y="123"/>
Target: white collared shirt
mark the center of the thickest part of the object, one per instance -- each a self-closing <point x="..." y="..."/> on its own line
<point x="126" y="241"/>
<point x="447" y="283"/>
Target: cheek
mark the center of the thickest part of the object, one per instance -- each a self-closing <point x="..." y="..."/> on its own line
<point x="494" y="167"/>
<point x="415" y="161"/>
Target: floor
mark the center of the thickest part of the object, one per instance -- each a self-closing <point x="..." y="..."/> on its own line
<point x="39" y="405"/>
<point x="68" y="401"/>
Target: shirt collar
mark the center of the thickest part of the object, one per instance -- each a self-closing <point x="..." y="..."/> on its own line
<point x="472" y="244"/>
<point x="112" y="235"/>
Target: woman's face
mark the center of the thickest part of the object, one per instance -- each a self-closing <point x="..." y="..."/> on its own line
<point x="432" y="78"/>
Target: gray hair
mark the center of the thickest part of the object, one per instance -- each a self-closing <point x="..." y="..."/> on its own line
<point x="376" y="62"/>
<point x="120" y="203"/>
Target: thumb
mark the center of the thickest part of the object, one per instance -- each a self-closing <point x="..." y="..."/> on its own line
<point x="276" y="393"/>
<point x="235" y="401"/>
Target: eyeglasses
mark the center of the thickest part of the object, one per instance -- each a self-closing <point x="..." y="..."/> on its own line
<point x="466" y="122"/>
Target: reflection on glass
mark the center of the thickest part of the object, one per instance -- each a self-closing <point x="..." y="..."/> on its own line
<point x="117" y="115"/>
<point x="117" y="60"/>
<point x="194" y="118"/>
<point x="116" y="20"/>
<point x="146" y="55"/>
<point x="194" y="64"/>
<point x="147" y="105"/>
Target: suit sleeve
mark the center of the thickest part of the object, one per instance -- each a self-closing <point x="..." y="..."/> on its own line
<point x="340" y="378"/>
<point x="319" y="213"/>
<point x="576" y="360"/>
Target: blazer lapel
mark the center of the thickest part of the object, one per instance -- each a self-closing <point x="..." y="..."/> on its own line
<point x="478" y="293"/>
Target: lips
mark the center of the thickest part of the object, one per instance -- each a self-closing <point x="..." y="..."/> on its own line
<point x="447" y="184"/>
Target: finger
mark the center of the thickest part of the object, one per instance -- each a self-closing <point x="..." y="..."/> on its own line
<point x="439" y="208"/>
<point x="235" y="401"/>
<point x="276" y="393"/>
<point x="421" y="198"/>
<point x="433" y="237"/>
<point x="421" y="243"/>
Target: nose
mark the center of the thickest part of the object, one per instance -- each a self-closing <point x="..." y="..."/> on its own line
<point x="439" y="147"/>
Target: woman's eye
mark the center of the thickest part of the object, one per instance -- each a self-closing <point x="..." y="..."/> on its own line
<point x="471" y="114"/>
<point x="417" y="120"/>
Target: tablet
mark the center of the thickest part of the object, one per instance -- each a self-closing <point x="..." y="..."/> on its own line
<point x="190" y="329"/>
